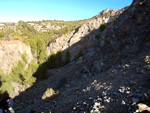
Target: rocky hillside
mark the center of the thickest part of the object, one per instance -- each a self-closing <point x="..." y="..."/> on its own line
<point x="112" y="76"/>
<point x="11" y="52"/>
<point x="78" y="36"/>
<point x="53" y="28"/>
<point x="84" y="37"/>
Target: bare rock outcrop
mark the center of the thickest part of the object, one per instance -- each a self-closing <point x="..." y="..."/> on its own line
<point x="83" y="37"/>
<point x="11" y="52"/>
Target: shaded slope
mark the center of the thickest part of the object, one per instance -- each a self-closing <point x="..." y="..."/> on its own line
<point x="111" y="77"/>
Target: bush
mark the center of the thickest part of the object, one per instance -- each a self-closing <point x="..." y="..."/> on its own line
<point x="5" y="84"/>
<point x="55" y="60"/>
<point x="25" y="57"/>
<point x="28" y="78"/>
<point x="1" y="34"/>
<point x="19" y="75"/>
<point x="33" y="46"/>
<point x="51" y="60"/>
<point x="18" y="71"/>
<point x="6" y="87"/>
<point x="58" y="59"/>
<point x="102" y="27"/>
<point x="67" y="57"/>
<point x="41" y="51"/>
<point x="41" y="72"/>
<point x="97" y="36"/>
<point x="80" y="54"/>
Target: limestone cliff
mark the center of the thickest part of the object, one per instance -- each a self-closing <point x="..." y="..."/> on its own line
<point x="83" y="37"/>
<point x="11" y="52"/>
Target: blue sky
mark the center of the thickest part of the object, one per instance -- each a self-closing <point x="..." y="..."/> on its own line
<point x="33" y="10"/>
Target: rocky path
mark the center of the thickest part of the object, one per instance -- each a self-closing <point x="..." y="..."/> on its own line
<point x="120" y="89"/>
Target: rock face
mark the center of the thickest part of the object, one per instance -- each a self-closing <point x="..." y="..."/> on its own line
<point x="112" y="12"/>
<point x="84" y="35"/>
<point x="11" y="52"/>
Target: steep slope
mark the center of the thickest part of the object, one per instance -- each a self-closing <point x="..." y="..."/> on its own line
<point x="84" y="36"/>
<point x="111" y="77"/>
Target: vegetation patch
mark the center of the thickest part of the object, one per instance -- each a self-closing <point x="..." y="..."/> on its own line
<point x="102" y="26"/>
<point x="25" y="57"/>
<point x="97" y="36"/>
<point x="55" y="60"/>
<point x="19" y="75"/>
<point x="80" y="54"/>
<point x="67" y="57"/>
<point x="41" y="72"/>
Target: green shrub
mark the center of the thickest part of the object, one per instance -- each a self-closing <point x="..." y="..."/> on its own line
<point x="19" y="75"/>
<point x="28" y="78"/>
<point x="41" y="72"/>
<point x="97" y="36"/>
<point x="1" y="34"/>
<point x="33" y="66"/>
<point x="102" y="27"/>
<point x="33" y="46"/>
<point x="51" y="60"/>
<point x="6" y="87"/>
<point x="58" y="59"/>
<point x="41" y="51"/>
<point x="18" y="71"/>
<point x="55" y="60"/>
<point x="67" y="57"/>
<point x="80" y="54"/>
<point x="25" y="57"/>
<point x="5" y="84"/>
<point x="16" y="75"/>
